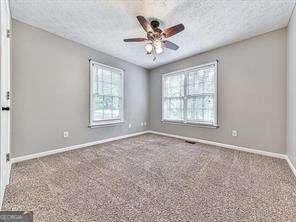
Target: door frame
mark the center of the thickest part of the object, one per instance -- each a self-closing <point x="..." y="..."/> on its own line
<point x="5" y="165"/>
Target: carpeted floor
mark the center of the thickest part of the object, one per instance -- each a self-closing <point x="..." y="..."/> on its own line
<point x="153" y="178"/>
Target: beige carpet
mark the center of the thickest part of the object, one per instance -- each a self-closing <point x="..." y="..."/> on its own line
<point x="153" y="178"/>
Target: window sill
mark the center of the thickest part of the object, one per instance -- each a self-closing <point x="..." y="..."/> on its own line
<point x="202" y="125"/>
<point x="106" y="123"/>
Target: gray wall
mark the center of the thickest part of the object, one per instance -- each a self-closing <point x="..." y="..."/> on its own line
<point x="50" y="92"/>
<point x="251" y="94"/>
<point x="291" y="117"/>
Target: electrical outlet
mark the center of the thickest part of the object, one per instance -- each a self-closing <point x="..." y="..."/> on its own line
<point x="66" y="134"/>
<point x="129" y="125"/>
<point x="234" y="133"/>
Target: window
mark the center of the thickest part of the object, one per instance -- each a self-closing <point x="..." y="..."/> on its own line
<point x="190" y="96"/>
<point x="106" y="94"/>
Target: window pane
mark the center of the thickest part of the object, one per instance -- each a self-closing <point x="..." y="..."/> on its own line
<point x="108" y="102"/>
<point x="107" y="114"/>
<point x="201" y="80"/>
<point x="116" y="103"/>
<point x="107" y="88"/>
<point x="200" y="109"/>
<point x="103" y="107"/>
<point x="98" y="106"/>
<point x="209" y="109"/>
<point x="98" y="115"/>
<point x="115" y="114"/>
<point x="194" y="108"/>
<point x="173" y="109"/>
<point x="116" y="78"/>
<point x="107" y="75"/>
<point x="98" y="102"/>
<point x="174" y="85"/>
<point x="97" y="79"/>
<point x="99" y="87"/>
<point x="116" y="89"/>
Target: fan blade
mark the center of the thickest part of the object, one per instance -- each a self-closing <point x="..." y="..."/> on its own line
<point x="173" y="30"/>
<point x="170" y="45"/>
<point x="135" y="40"/>
<point x="144" y="23"/>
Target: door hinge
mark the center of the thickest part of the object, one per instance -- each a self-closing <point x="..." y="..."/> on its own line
<point x="7" y="95"/>
<point x="7" y="157"/>
<point x="8" y="33"/>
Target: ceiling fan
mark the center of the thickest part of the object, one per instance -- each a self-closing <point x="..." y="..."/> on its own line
<point x="156" y="38"/>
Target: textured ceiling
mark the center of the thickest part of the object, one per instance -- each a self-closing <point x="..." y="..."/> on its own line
<point x="103" y="24"/>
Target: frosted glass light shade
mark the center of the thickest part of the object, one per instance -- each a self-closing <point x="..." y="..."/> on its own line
<point x="149" y="48"/>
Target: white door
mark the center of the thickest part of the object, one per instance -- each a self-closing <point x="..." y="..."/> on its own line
<point x="5" y="94"/>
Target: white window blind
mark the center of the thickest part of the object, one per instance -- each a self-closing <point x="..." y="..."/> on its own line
<point x="174" y="97"/>
<point x="106" y="94"/>
<point x="190" y="96"/>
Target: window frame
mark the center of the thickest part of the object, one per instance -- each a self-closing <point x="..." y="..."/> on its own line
<point x="97" y="123"/>
<point x="186" y="96"/>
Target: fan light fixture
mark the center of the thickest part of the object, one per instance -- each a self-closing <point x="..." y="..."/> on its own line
<point x="149" y="48"/>
<point x="158" y="50"/>
<point x="158" y="46"/>
<point x="157" y="43"/>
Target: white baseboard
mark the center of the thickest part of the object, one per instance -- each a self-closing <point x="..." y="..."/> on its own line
<point x="234" y="147"/>
<point x="260" y="152"/>
<point x="291" y="166"/>
<point x="61" y="150"/>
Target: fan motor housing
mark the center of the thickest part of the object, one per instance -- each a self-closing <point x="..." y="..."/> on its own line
<point x="154" y="23"/>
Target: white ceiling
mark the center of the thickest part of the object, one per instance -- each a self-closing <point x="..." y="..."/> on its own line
<point x="103" y="24"/>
